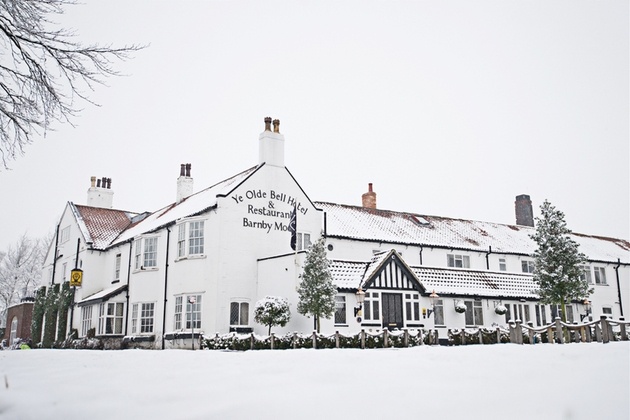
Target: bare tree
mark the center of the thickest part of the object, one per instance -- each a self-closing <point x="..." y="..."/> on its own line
<point x="43" y="71"/>
<point x="20" y="271"/>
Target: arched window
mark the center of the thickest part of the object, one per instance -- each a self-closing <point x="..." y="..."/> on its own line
<point x="13" y="335"/>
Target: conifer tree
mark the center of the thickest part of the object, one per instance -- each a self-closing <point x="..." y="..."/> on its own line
<point x="558" y="271"/>
<point x="316" y="290"/>
<point x="271" y="311"/>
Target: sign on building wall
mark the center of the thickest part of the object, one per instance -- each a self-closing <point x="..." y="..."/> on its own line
<point x="76" y="277"/>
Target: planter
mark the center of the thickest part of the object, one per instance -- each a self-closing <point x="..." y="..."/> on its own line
<point x="500" y="310"/>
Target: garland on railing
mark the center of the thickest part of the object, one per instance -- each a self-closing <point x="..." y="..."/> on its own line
<point x="365" y="339"/>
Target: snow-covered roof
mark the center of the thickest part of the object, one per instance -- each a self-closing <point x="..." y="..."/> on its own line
<point x="349" y="275"/>
<point x="103" y="295"/>
<point x="362" y="223"/>
<point x="101" y="226"/>
<point x="461" y="282"/>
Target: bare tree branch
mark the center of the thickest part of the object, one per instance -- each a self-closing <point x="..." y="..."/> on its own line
<point x="44" y="72"/>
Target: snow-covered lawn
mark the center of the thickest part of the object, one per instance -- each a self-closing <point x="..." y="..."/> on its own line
<point x="544" y="381"/>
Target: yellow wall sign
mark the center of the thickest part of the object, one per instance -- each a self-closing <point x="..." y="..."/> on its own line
<point x="76" y="277"/>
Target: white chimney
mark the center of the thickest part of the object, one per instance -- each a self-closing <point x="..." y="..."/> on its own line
<point x="100" y="193"/>
<point x="271" y="144"/>
<point x="184" y="182"/>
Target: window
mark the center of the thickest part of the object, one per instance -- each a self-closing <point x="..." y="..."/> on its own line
<point x="64" y="235"/>
<point x="192" y="312"/>
<point x="502" y="264"/>
<point x="569" y="308"/>
<point x="190" y="239"/>
<point x="474" y="312"/>
<point x="142" y="318"/>
<point x="438" y="312"/>
<point x="145" y="255"/>
<point x="600" y="275"/>
<point x="541" y="316"/>
<point x="64" y="271"/>
<point x="371" y="307"/>
<point x="110" y="318"/>
<point x="86" y="320"/>
<point x="13" y="334"/>
<point x="527" y="266"/>
<point x="239" y="313"/>
<point x="303" y="241"/>
<point x="412" y="307"/>
<point x="586" y="274"/>
<point x="340" y="309"/>
<point x="459" y="261"/>
<point x="607" y="310"/>
<point x="117" y="268"/>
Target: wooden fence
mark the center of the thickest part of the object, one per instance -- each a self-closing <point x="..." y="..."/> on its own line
<point x="602" y="330"/>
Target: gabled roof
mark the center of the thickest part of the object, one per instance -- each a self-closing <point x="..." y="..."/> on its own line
<point x="101" y="226"/>
<point x="349" y="275"/>
<point x="361" y="223"/>
<point x="192" y="205"/>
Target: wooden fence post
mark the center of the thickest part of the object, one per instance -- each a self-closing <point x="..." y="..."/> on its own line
<point x="406" y="337"/>
<point x="519" y="332"/>
<point x="550" y="335"/>
<point x="294" y="340"/>
<point x="362" y="338"/>
<point x="598" y="333"/>
<point x="314" y="339"/>
<point x="587" y="330"/>
<point x="385" y="337"/>
<point x="605" y="329"/>
<point x="622" y="327"/>
<point x="480" y="336"/>
<point x="582" y="334"/>
<point x="532" y="333"/>
<point x="272" y="340"/>
<point x="559" y="335"/>
<point x="498" y="335"/>
<point x="251" y="341"/>
<point x="337" y="339"/>
<point x="512" y="326"/>
<point x="436" y="337"/>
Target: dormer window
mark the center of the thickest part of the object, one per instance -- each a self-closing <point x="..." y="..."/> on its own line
<point x="458" y="261"/>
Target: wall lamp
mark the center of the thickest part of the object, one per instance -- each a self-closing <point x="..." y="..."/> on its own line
<point x="433" y="297"/>
<point x="587" y="307"/>
<point x="360" y="299"/>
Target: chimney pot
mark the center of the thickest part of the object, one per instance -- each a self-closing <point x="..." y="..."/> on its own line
<point x="276" y="126"/>
<point x="182" y="170"/>
<point x="109" y="183"/>
<point x="267" y="123"/>
<point x="98" y="183"/>
<point x="188" y="166"/>
<point x="92" y="181"/>
<point x="369" y="198"/>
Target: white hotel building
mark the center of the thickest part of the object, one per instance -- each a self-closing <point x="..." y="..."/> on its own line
<point x="228" y="246"/>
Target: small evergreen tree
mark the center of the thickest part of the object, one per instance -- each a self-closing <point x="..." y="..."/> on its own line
<point x="558" y="270"/>
<point x="316" y="290"/>
<point x="271" y="311"/>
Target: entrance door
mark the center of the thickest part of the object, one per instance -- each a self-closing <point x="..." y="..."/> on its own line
<point x="392" y="310"/>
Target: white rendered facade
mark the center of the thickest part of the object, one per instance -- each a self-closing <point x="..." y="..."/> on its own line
<point x="198" y="266"/>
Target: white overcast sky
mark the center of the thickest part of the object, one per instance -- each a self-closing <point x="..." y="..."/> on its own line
<point x="451" y="108"/>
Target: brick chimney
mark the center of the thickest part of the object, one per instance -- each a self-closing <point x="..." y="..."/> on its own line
<point x="524" y="211"/>
<point x="184" y="182"/>
<point x="100" y="193"/>
<point x="271" y="144"/>
<point x="369" y="198"/>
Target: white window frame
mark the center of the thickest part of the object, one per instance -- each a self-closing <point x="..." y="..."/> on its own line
<point x="117" y="264"/>
<point x="64" y="235"/>
<point x="143" y="318"/>
<point x="13" y="335"/>
<point x="528" y="266"/>
<point x="303" y="241"/>
<point x="457" y="261"/>
<point x="438" y="312"/>
<point x="341" y="313"/>
<point x="474" y="311"/>
<point x="600" y="276"/>
<point x="502" y="264"/>
<point x="372" y="306"/>
<point x="412" y="307"/>
<point x="586" y="274"/>
<point x="146" y="253"/>
<point x="191" y="239"/>
<point x="86" y="319"/>
<point x="110" y="316"/>
<point x="187" y="315"/>
<point x="242" y="314"/>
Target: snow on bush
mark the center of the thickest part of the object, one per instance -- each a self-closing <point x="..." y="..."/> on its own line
<point x="271" y="311"/>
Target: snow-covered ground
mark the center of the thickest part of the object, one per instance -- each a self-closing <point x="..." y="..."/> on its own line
<point x="544" y="381"/>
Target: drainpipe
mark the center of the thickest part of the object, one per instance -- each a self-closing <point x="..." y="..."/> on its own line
<point x="421" y="248"/>
<point x="52" y="281"/>
<point x="74" y="288"/>
<point x="618" y="285"/>
<point x="487" y="257"/>
<point x="128" y="286"/>
<point x="168" y="238"/>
